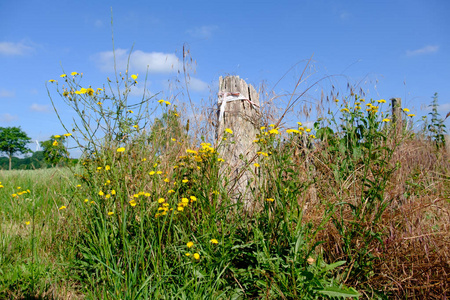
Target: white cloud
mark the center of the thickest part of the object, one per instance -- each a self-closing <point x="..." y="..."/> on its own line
<point x="8" y="48"/>
<point x="425" y="50"/>
<point x="138" y="91"/>
<point x="203" y="32"/>
<point x="39" y="108"/>
<point x="197" y="85"/>
<point x="157" y="62"/>
<point x="98" y="23"/>
<point x="8" y="118"/>
<point x="344" y="15"/>
<point x="7" y="94"/>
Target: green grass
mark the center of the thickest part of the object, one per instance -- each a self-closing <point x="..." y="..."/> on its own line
<point x="151" y="212"/>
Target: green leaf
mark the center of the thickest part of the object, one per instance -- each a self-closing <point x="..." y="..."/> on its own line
<point x="339" y="292"/>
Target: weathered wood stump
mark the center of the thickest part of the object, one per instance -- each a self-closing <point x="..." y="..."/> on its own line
<point x="238" y="111"/>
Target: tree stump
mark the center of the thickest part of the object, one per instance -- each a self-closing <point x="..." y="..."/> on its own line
<point x="238" y="111"/>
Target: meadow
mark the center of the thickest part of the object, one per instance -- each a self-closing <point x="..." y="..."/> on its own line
<point x="355" y="206"/>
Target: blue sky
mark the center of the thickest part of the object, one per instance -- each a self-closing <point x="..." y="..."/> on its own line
<point x="387" y="48"/>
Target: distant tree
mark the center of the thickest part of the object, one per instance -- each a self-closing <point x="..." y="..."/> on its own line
<point x="13" y="140"/>
<point x="55" y="151"/>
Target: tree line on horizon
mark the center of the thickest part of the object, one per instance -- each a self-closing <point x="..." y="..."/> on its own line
<point x="14" y="141"/>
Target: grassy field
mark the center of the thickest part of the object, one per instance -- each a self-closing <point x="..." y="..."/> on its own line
<point x="353" y="206"/>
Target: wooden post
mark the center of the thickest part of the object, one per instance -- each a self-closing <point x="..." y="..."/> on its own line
<point x="397" y="119"/>
<point x="238" y="111"/>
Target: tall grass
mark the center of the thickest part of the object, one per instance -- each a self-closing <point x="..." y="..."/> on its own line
<point x="149" y="213"/>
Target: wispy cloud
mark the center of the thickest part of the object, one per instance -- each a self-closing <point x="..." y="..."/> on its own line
<point x="7" y="94"/>
<point x="344" y="15"/>
<point x="197" y="85"/>
<point x="157" y="62"/>
<point x="39" y="108"/>
<point x="98" y="23"/>
<point x="9" y="48"/>
<point x="203" y="32"/>
<point x="424" y="50"/>
<point x="8" y="118"/>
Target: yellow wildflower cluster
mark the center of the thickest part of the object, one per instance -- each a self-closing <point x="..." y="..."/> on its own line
<point x="371" y="108"/>
<point x="19" y="193"/>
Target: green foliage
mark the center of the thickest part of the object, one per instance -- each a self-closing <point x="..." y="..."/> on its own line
<point x="437" y="127"/>
<point x="13" y="140"/>
<point x="359" y="151"/>
<point x="55" y="152"/>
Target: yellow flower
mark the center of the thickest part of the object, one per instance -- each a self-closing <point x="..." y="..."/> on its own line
<point x="99" y="103"/>
<point x="55" y="143"/>
<point x="113" y="192"/>
<point x="107" y="167"/>
<point x="121" y="149"/>
<point x="101" y="193"/>
<point x="214" y="241"/>
<point x="135" y="126"/>
<point x="190" y="244"/>
<point x="273" y="131"/>
<point x="191" y="151"/>
<point x="270" y="199"/>
<point x="406" y="110"/>
<point x="193" y="198"/>
<point x="262" y="128"/>
<point x="133" y="203"/>
<point x="108" y="196"/>
<point x="159" y="172"/>
<point x="292" y="131"/>
<point x="130" y="111"/>
<point x="167" y="102"/>
<point x="381" y="101"/>
<point x="411" y="115"/>
<point x="188" y="254"/>
<point x="63" y="75"/>
<point x="147" y="194"/>
<point x="184" y="200"/>
<point x="166" y="180"/>
<point x="229" y="130"/>
<point x="52" y="80"/>
<point x="134" y="77"/>
<point x="74" y="73"/>
<point x="27" y="223"/>
<point x="308" y="130"/>
<point x="336" y="100"/>
<point x="161" y="200"/>
<point x="62" y="207"/>
<point x="386" y="120"/>
<point x="152" y="173"/>
<point x="344" y="109"/>
<point x="78" y="185"/>
<point x="57" y="136"/>
<point x="196" y="256"/>
<point x="67" y="134"/>
<point x="110" y="213"/>
<point x="86" y="200"/>
<point x="90" y="91"/>
<point x="83" y="91"/>
<point x="160" y="101"/>
<point x="220" y="159"/>
<point x="99" y="89"/>
<point x="256" y="165"/>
